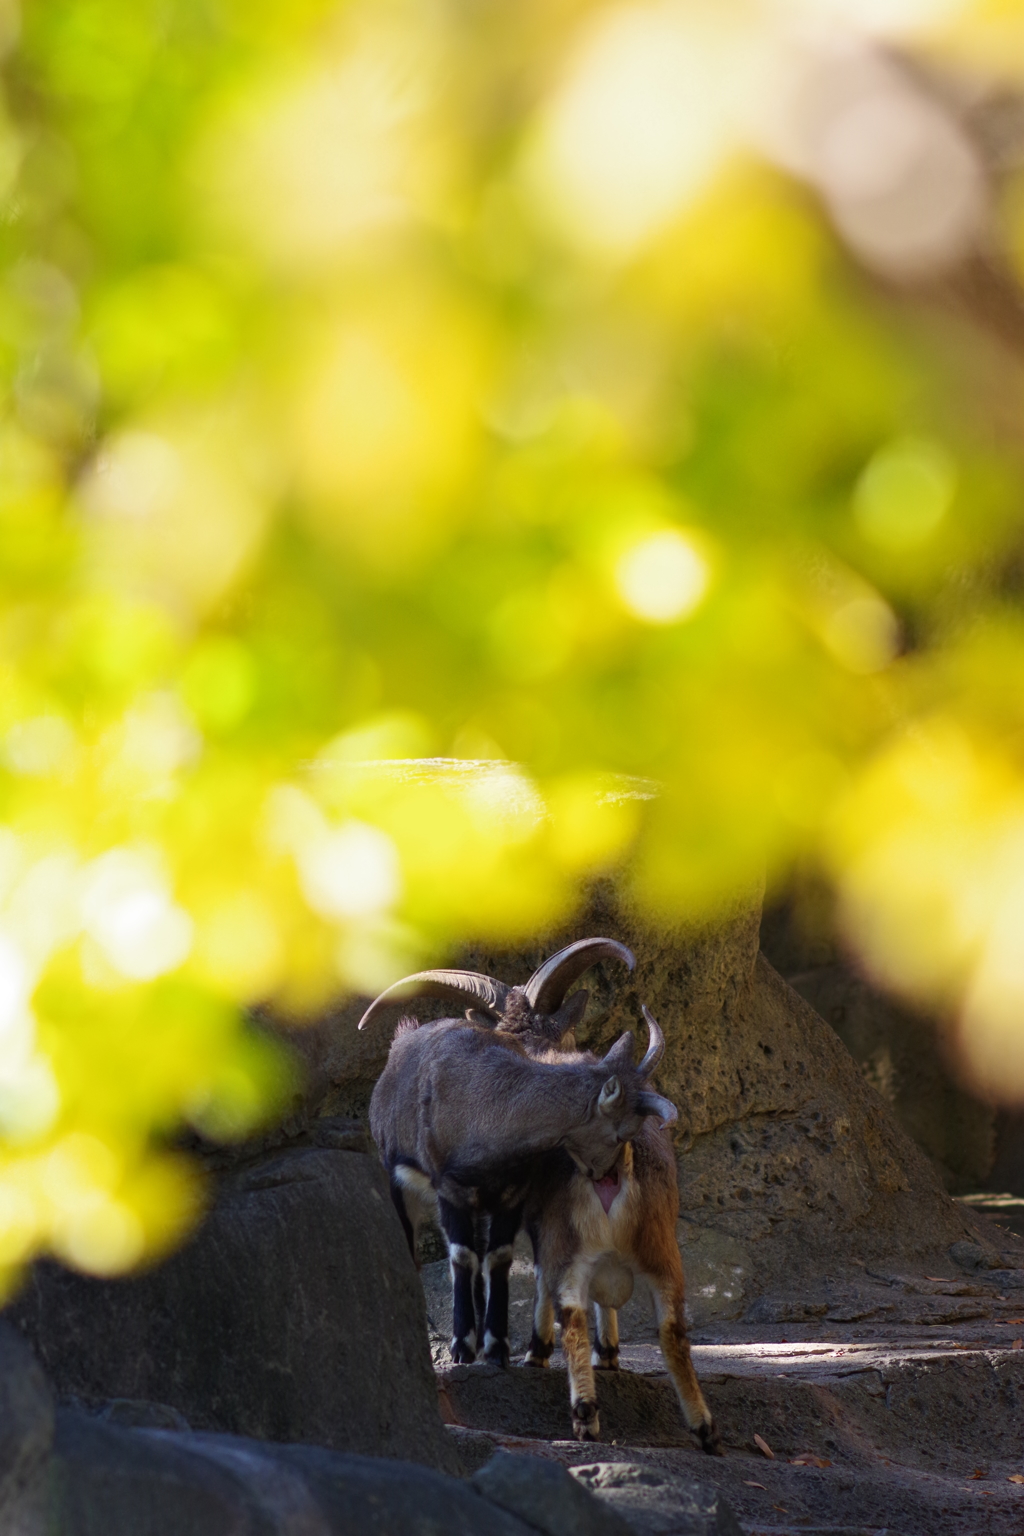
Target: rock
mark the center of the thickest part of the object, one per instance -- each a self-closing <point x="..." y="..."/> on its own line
<point x="643" y="1410"/>
<point x="545" y="1496"/>
<point x="136" y="1413"/>
<point x="792" y="1152"/>
<point x="899" y="1053"/>
<point x="716" y="1268"/>
<point x="26" y="1437"/>
<point x="294" y="1313"/>
<point x="112" y="1481"/>
<point x="659" y="1503"/>
<point x="972" y="1256"/>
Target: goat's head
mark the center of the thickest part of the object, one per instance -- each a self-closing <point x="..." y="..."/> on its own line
<point x="538" y="1008"/>
<point x="622" y="1103"/>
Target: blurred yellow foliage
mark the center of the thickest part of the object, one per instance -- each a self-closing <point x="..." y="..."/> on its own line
<point x="451" y="452"/>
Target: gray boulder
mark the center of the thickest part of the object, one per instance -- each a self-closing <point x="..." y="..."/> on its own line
<point x="659" y="1503"/>
<point x="111" y="1481"/>
<point x="294" y="1313"/>
<point x="543" y="1494"/>
<point x="26" y="1436"/>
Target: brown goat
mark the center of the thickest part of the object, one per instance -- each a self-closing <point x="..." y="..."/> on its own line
<point x="591" y="1239"/>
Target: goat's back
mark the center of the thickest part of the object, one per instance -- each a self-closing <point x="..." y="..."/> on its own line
<point x="438" y="1078"/>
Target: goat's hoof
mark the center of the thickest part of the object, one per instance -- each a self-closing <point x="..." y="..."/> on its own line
<point x="711" y="1440"/>
<point x="498" y="1353"/>
<point x="536" y="1361"/>
<point x="539" y="1352"/>
<point x="462" y="1353"/>
<point x="605" y="1359"/>
<point x="585" y="1423"/>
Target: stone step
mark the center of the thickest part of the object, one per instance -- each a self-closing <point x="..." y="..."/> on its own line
<point x="857" y="1401"/>
<point x="910" y="1439"/>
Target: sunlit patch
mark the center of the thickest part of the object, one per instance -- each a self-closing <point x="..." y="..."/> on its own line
<point x="30" y="1099"/>
<point x="637" y="128"/>
<point x="175" y="513"/>
<point x="128" y="910"/>
<point x="352" y="871"/>
<point x="662" y="579"/>
<point x="15" y="990"/>
<point x="138" y="475"/>
<point x="43" y="745"/>
<point x="153" y="741"/>
<point x="886" y="17"/>
<point x="904" y="493"/>
<point x="317" y="159"/>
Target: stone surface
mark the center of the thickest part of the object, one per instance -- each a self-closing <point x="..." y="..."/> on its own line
<point x="659" y="1503"/>
<point x="873" y="1427"/>
<point x="545" y="1496"/>
<point x="112" y="1481"/>
<point x="640" y="1409"/>
<point x="137" y="1413"/>
<point x="26" y="1436"/>
<point x="294" y="1313"/>
<point x="900" y="1054"/>
<point x="790" y="1151"/>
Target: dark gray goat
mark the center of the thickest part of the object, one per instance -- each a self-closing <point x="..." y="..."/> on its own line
<point x="465" y="1113"/>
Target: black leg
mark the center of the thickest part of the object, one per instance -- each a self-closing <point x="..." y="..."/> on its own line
<point x="481" y="1232"/>
<point x="457" y="1226"/>
<point x="497" y="1263"/>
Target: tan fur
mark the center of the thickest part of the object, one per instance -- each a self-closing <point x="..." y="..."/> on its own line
<point x="575" y="1237"/>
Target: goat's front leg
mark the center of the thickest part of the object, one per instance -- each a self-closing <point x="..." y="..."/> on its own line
<point x="582" y="1393"/>
<point x="457" y="1226"/>
<point x="497" y="1263"/>
<point x="668" y="1291"/>
<point x="605" y="1355"/>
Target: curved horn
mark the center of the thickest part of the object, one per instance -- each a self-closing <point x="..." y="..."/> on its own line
<point x="655" y="1047"/>
<point x="466" y="987"/>
<point x="546" y="988"/>
<point x="653" y="1104"/>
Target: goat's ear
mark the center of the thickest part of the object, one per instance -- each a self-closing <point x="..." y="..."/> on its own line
<point x="610" y="1097"/>
<point x="475" y="1016"/>
<point x="571" y="1012"/>
<point x="620" y="1057"/>
<point x="649" y="1103"/>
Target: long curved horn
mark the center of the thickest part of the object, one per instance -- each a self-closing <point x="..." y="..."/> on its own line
<point x="466" y="987"/>
<point x="546" y="988"/>
<point x="655" y="1046"/>
<point x="649" y="1103"/>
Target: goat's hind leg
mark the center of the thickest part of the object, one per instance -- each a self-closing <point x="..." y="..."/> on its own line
<point x="415" y="1201"/>
<point x="457" y="1226"/>
<point x="497" y="1263"/>
<point x="542" y="1344"/>
<point x="605" y="1354"/>
<point x="582" y="1393"/>
<point x="668" y="1295"/>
